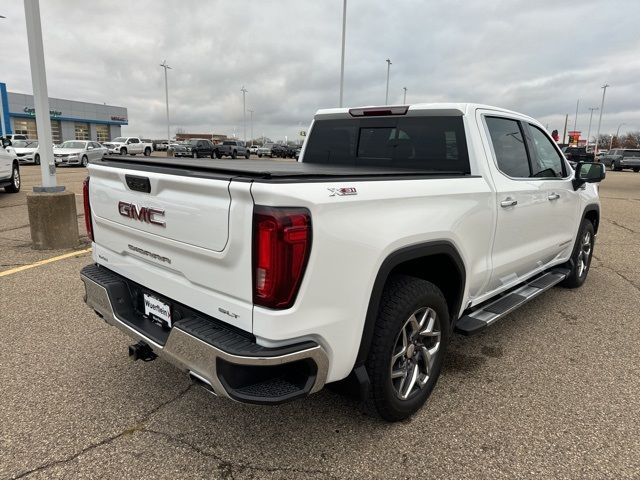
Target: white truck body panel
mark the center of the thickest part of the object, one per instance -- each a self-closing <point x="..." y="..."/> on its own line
<point x="208" y="237"/>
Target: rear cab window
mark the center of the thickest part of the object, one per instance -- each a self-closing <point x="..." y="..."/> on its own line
<point x="420" y="143"/>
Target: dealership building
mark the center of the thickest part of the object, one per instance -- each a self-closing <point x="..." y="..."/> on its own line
<point x="70" y="119"/>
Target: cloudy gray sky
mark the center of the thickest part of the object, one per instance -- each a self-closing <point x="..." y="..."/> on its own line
<point x="537" y="57"/>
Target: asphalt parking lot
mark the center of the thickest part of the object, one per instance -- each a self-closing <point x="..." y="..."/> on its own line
<point x="551" y="391"/>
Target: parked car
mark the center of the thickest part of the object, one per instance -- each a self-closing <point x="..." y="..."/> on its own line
<point x="265" y="150"/>
<point x="622" y="158"/>
<point x="78" y="152"/>
<point x="253" y="149"/>
<point x="129" y="146"/>
<point x="297" y="153"/>
<point x="180" y="150"/>
<point x="232" y="148"/>
<point x="200" y="147"/>
<point x="12" y="137"/>
<point x="279" y="151"/>
<point x="161" y="146"/>
<point x="578" y="154"/>
<point x="244" y="285"/>
<point x="9" y="169"/>
<point x="27" y="151"/>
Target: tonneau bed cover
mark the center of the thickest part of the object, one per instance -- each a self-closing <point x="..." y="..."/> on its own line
<point x="265" y="170"/>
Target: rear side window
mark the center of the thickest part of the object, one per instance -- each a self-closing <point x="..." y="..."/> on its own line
<point x="508" y="145"/>
<point x="630" y="153"/>
<point x="412" y="143"/>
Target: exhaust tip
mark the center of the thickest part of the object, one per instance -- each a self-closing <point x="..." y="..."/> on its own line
<point x="201" y="381"/>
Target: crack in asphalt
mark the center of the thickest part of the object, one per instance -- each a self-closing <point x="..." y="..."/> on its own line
<point x="138" y="426"/>
<point x="229" y="467"/>
<point x="613" y="222"/>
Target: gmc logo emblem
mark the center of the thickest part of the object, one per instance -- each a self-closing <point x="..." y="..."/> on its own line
<point x="144" y="214"/>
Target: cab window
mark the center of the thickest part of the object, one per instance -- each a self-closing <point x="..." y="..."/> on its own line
<point x="546" y="161"/>
<point x="509" y="147"/>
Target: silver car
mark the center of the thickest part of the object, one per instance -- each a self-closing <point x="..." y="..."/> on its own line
<point x="78" y="152"/>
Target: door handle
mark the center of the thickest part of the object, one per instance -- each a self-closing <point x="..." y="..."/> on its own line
<point x="508" y="202"/>
<point x="553" y="196"/>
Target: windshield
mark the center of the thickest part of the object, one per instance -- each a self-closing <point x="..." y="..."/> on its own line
<point x="24" y="144"/>
<point x="120" y="139"/>
<point x="70" y="144"/>
<point x="193" y="142"/>
<point x="415" y="143"/>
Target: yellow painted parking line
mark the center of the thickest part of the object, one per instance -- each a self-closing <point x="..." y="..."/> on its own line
<point x="44" y="262"/>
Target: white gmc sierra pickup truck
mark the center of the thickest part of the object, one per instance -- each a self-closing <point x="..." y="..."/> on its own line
<point x="399" y="225"/>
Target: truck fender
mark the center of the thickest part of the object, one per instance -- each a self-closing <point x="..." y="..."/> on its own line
<point x="405" y="254"/>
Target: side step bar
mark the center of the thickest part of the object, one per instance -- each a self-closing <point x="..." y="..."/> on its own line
<point x="488" y="313"/>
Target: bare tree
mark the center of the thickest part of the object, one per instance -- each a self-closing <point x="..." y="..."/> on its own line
<point x="629" y="140"/>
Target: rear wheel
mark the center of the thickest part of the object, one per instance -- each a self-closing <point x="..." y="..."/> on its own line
<point x="581" y="257"/>
<point x="410" y="340"/>
<point x="636" y="169"/>
<point x="14" y="187"/>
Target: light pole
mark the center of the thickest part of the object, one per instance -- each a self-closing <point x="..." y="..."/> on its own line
<point x="575" y="121"/>
<point x="244" y="112"/>
<point x="604" y="91"/>
<point x="404" y="102"/>
<point x="344" y="33"/>
<point x="386" y="101"/>
<point x="166" y="97"/>
<point x="610" y="141"/>
<point x="40" y="97"/>
<point x="617" y="134"/>
<point x="591" y="109"/>
<point x="251" y="123"/>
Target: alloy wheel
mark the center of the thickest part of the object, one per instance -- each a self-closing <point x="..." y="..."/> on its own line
<point x="585" y="253"/>
<point x="414" y="352"/>
<point x="16" y="178"/>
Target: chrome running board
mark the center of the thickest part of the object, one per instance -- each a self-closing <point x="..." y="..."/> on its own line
<point x="489" y="312"/>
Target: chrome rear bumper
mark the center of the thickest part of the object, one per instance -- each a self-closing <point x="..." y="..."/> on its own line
<point x="211" y="363"/>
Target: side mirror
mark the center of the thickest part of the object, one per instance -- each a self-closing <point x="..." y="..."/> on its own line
<point x="6" y="142"/>
<point x="89" y="147"/>
<point x="588" y="172"/>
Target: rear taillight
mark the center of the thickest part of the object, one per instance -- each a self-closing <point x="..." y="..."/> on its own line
<point x="87" y="208"/>
<point x="281" y="246"/>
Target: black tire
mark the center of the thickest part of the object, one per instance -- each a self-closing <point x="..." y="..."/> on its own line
<point x="259" y="155"/>
<point x="578" y="274"/>
<point x="247" y="155"/>
<point x="15" y="180"/>
<point x="402" y="297"/>
<point x="234" y="154"/>
<point x="636" y="169"/>
<point x="84" y="162"/>
<point x="194" y="154"/>
<point x="147" y="152"/>
<point x="36" y="159"/>
<point x="617" y="167"/>
<point x="123" y="151"/>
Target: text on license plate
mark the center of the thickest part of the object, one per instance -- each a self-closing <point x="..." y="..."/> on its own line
<point x="157" y="309"/>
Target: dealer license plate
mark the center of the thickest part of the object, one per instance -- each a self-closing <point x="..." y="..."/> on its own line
<point x="157" y="310"/>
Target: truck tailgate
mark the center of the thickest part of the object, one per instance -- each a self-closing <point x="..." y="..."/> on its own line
<point x="186" y="238"/>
